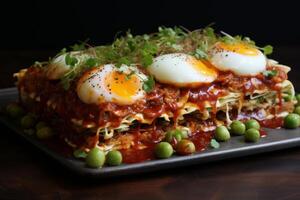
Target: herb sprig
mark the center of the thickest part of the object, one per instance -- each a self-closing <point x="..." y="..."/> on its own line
<point x="140" y="50"/>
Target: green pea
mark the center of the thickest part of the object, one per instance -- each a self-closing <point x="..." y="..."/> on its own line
<point x="297" y="110"/>
<point x="291" y="121"/>
<point x="237" y="128"/>
<point x="252" y="135"/>
<point x="114" y="158"/>
<point x="28" y="121"/>
<point x="95" y="158"/>
<point x="177" y="136"/>
<point x="185" y="147"/>
<point x="252" y="123"/>
<point x="184" y="134"/>
<point x="298" y="99"/>
<point x="40" y="125"/>
<point x="44" y="133"/>
<point x="288" y="98"/>
<point x="174" y="134"/>
<point x="169" y="136"/>
<point x="222" y="134"/>
<point x="163" y="150"/>
<point x="14" y="111"/>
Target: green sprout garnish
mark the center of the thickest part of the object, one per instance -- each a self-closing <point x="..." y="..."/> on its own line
<point x="149" y="84"/>
<point x="270" y="73"/>
<point x="267" y="49"/>
<point x="140" y="50"/>
<point x="70" y="60"/>
<point x="214" y="144"/>
<point x="79" y="46"/>
<point x="91" y="62"/>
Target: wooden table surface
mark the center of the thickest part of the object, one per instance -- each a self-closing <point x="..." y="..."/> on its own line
<point x="26" y="173"/>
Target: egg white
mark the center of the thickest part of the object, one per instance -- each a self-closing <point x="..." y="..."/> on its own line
<point x="58" y="67"/>
<point x="237" y="63"/>
<point x="181" y="70"/>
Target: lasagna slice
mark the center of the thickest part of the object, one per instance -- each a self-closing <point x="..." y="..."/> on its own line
<point x="127" y="95"/>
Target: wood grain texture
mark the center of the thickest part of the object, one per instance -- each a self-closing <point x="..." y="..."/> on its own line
<point x="26" y="173"/>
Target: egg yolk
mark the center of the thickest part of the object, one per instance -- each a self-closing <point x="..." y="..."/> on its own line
<point x="207" y="70"/>
<point x="122" y="85"/>
<point x="239" y="48"/>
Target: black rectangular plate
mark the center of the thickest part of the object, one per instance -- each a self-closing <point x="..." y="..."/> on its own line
<point x="236" y="147"/>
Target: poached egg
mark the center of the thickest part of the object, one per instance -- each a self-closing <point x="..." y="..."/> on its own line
<point x="181" y="70"/>
<point x="240" y="58"/>
<point x="107" y="83"/>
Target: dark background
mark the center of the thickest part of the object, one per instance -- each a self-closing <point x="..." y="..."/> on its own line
<point x="36" y="30"/>
<point x="55" y="24"/>
<point x="33" y="30"/>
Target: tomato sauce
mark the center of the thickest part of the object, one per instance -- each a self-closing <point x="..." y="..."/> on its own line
<point x="202" y="139"/>
<point x="133" y="155"/>
<point x="209" y="93"/>
<point x="262" y="133"/>
<point x="274" y="123"/>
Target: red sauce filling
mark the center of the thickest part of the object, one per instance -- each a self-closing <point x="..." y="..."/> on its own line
<point x="209" y="93"/>
<point x="201" y="140"/>
<point x="263" y="133"/>
<point x="133" y="155"/>
<point x="272" y="123"/>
